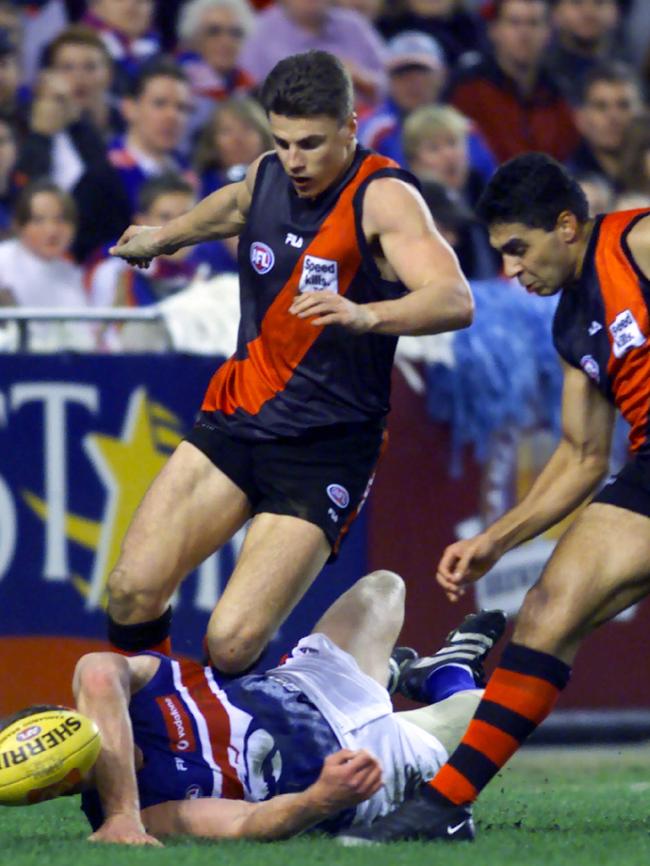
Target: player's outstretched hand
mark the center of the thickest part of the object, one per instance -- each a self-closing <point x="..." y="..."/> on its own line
<point x="330" y="308"/>
<point x="347" y="778"/>
<point x="138" y="246"/>
<point x="464" y="562"/>
<point x="124" y="830"/>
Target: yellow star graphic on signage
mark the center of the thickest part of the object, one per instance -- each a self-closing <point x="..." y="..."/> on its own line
<point x="127" y="465"/>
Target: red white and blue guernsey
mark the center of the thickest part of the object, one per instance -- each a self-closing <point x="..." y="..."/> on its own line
<point x="602" y="323"/>
<point x="286" y="375"/>
<point x="257" y="736"/>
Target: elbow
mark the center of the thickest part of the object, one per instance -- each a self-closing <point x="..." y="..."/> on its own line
<point x="464" y="313"/>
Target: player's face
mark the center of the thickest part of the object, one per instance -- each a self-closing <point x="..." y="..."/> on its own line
<point x="314" y="151"/>
<point x="540" y="260"/>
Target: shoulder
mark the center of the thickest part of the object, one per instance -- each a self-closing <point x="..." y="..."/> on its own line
<point x="390" y="200"/>
<point x="638" y="241"/>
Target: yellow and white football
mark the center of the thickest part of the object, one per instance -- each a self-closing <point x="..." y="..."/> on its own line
<point x="44" y="752"/>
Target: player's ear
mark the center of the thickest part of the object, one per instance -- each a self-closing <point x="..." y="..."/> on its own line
<point x="567" y="226"/>
<point x="351" y="124"/>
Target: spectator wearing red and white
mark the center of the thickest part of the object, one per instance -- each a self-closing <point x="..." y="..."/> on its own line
<point x="516" y="104"/>
<point x="294" y="26"/>
<point x="126" y="27"/>
<point x="212" y="33"/>
<point x="157" y="114"/>
<point x="416" y="75"/>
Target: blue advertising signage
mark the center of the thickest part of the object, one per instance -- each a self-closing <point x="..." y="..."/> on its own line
<point x="81" y="439"/>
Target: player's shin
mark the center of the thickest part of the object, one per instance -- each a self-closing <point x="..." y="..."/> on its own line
<point x="520" y="694"/>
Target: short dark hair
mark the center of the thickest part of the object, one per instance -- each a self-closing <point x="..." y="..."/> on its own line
<point x="609" y="71"/>
<point x="496" y="7"/>
<point x="307" y="85"/>
<point x="532" y="189"/>
<point x="22" y="213"/>
<point x="76" y="34"/>
<point x="163" y="184"/>
<point x="159" y="67"/>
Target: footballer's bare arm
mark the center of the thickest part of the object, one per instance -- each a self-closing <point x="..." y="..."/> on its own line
<point x="220" y="215"/>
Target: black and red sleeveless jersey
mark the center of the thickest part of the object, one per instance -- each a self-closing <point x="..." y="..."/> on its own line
<point x="602" y="323"/>
<point x="288" y="376"/>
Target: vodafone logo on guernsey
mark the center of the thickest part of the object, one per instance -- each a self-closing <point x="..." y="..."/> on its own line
<point x="262" y="257"/>
<point x="179" y="728"/>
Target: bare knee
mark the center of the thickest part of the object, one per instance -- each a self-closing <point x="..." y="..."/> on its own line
<point x="233" y="650"/>
<point x="133" y="599"/>
<point x="383" y="586"/>
<point x="549" y="622"/>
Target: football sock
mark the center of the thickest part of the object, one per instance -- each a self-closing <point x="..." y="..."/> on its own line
<point x="139" y="636"/>
<point x="519" y="695"/>
<point x="446" y="681"/>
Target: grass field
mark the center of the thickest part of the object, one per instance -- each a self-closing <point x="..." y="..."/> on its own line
<point x="549" y="808"/>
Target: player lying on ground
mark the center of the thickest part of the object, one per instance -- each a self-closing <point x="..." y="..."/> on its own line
<point x="313" y="743"/>
<point x="537" y="216"/>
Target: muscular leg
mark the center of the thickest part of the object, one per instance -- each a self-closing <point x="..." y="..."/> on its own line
<point x="279" y="561"/>
<point x="600" y="567"/>
<point x="366" y="621"/>
<point x="189" y="511"/>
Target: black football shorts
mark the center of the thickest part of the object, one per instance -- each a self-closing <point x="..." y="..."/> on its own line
<point x="630" y="488"/>
<point x="322" y="476"/>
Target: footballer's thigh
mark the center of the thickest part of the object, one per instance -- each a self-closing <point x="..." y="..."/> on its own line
<point x="279" y="561"/>
<point x="190" y="510"/>
<point x="600" y="567"/>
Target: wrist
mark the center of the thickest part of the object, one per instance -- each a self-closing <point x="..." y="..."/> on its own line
<point x="372" y="317"/>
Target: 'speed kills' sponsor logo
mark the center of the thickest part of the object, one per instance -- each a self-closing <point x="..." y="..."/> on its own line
<point x="29" y="733"/>
<point x="339" y="495"/>
<point x="590" y="365"/>
<point x="262" y="257"/>
<point x="179" y="728"/>
<point x="319" y="275"/>
<point x="626" y="333"/>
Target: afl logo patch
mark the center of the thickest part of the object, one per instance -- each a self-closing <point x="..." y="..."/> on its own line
<point x="339" y="495"/>
<point x="590" y="366"/>
<point x="194" y="792"/>
<point x="262" y="257"/>
<point x="29" y="733"/>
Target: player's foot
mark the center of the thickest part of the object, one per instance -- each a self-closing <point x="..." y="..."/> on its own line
<point x="423" y="817"/>
<point x="400" y="656"/>
<point x="466" y="646"/>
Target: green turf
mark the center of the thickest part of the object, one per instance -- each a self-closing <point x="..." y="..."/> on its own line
<point x="550" y="808"/>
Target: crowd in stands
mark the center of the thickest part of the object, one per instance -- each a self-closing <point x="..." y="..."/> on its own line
<point x="120" y="111"/>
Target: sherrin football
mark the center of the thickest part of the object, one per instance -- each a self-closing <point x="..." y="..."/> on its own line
<point x="44" y="752"/>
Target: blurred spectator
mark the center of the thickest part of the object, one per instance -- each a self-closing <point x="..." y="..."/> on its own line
<point x="610" y="99"/>
<point x="236" y="135"/>
<point x="436" y="148"/>
<point x="515" y="103"/>
<point x="416" y="77"/>
<point x="126" y="28"/>
<point x="293" y="26"/>
<point x="11" y="21"/>
<point x="462" y="231"/>
<point x="41" y="21"/>
<point x="68" y="149"/>
<point x="460" y="33"/>
<point x="8" y="152"/>
<point x="599" y="192"/>
<point x="13" y="99"/>
<point x="112" y="282"/>
<point x="156" y="113"/>
<point x="35" y="270"/>
<point x="584" y="35"/>
<point x="637" y="31"/>
<point x="81" y="57"/>
<point x="370" y="9"/>
<point x="635" y="157"/>
<point x="213" y="32"/>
